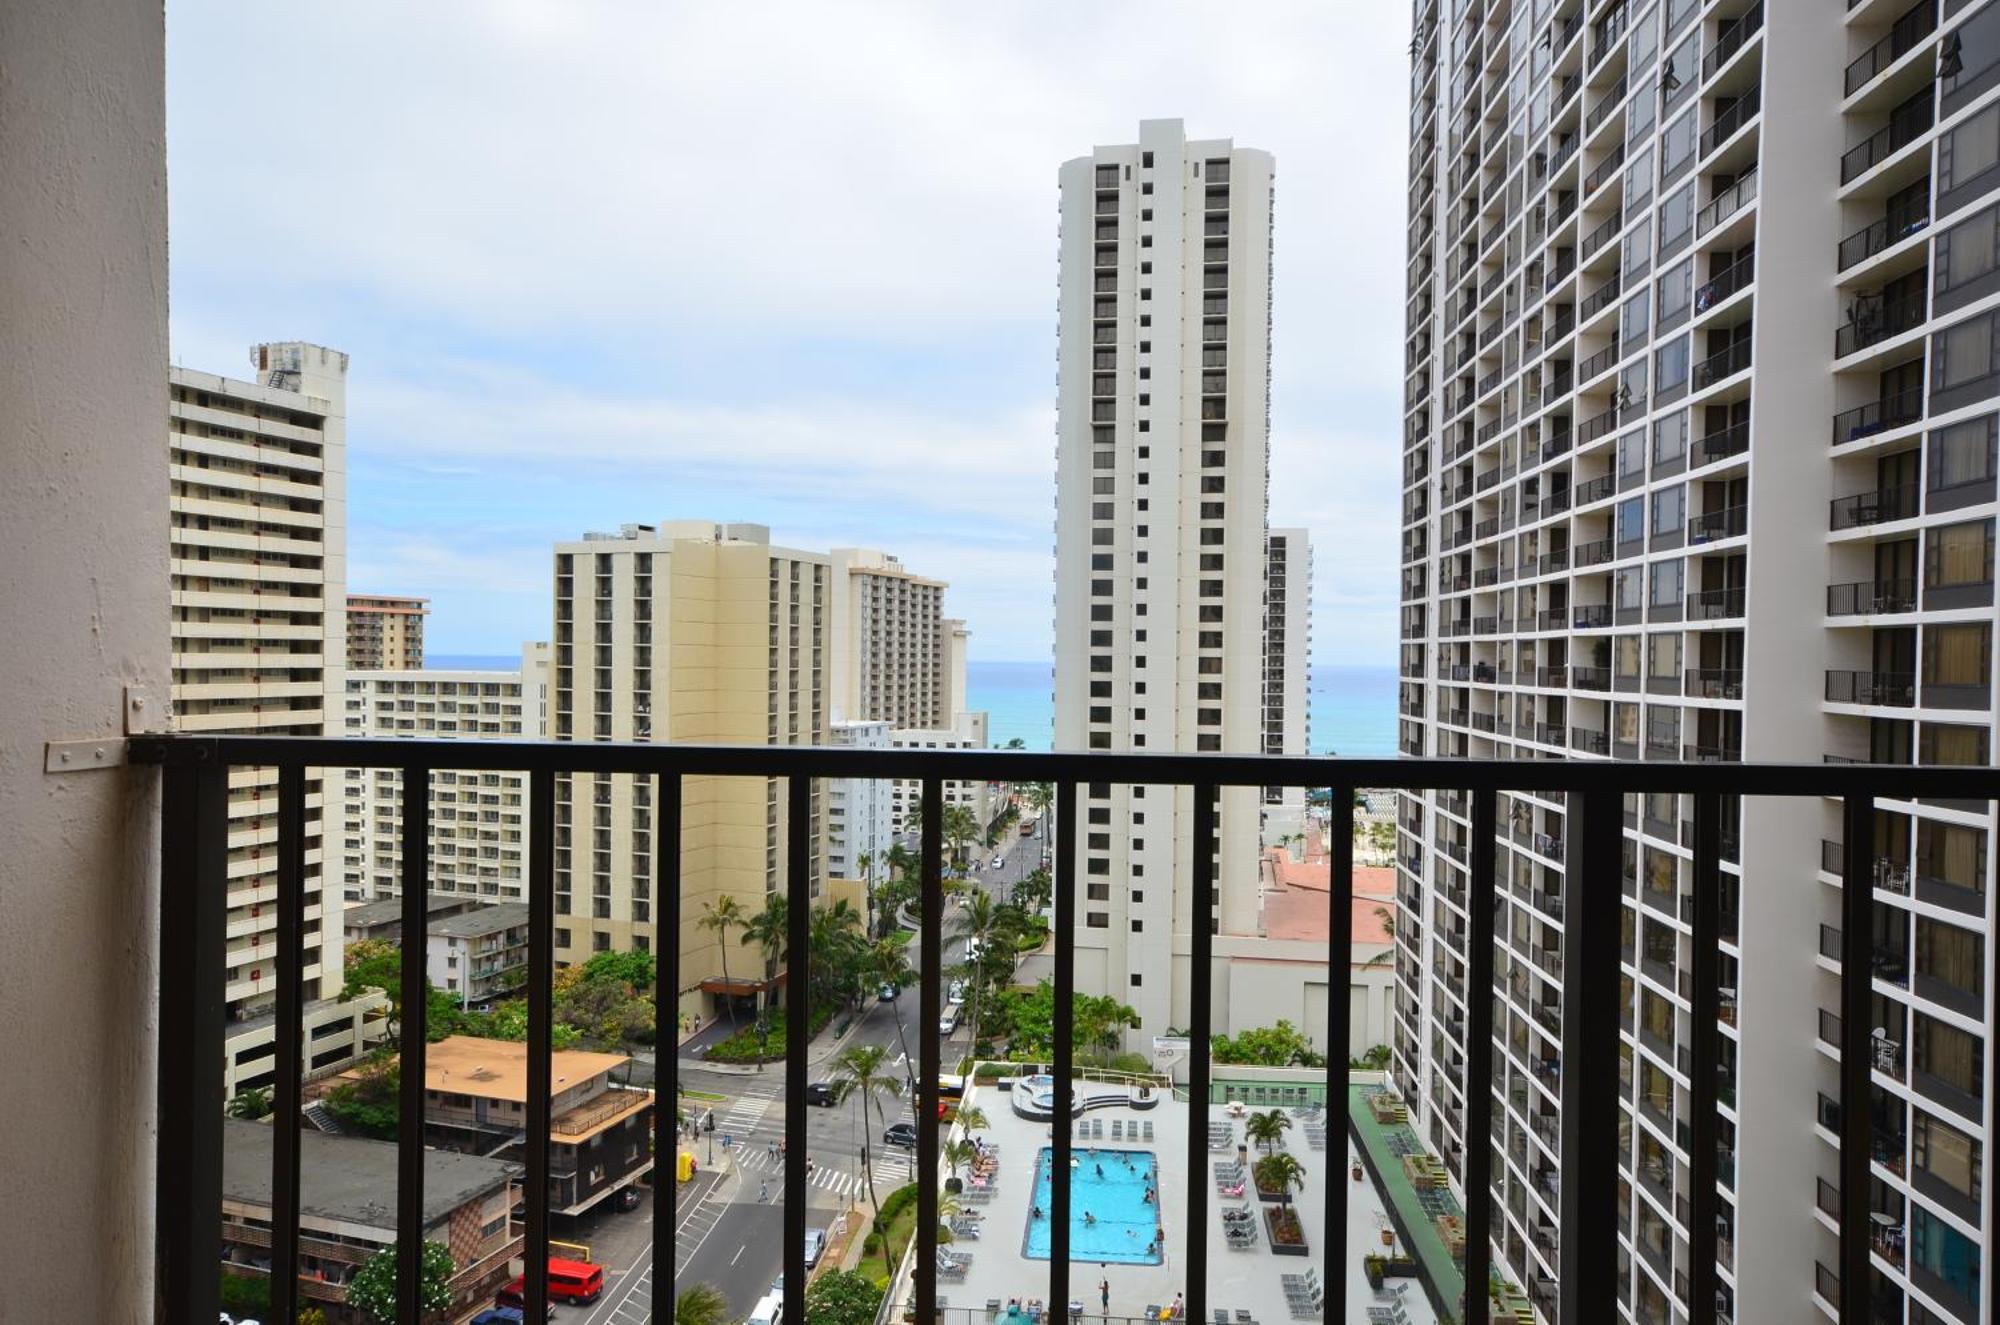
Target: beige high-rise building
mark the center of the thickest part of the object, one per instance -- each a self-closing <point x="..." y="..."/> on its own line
<point x="1162" y="446"/>
<point x="891" y="642"/>
<point x="385" y="633"/>
<point x="259" y="569"/>
<point x="479" y="819"/>
<point x="687" y="631"/>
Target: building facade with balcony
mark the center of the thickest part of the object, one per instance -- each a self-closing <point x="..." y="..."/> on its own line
<point x="686" y="631"/>
<point x="478" y="825"/>
<point x="385" y="633"/>
<point x="600" y="1131"/>
<point x="1654" y="251"/>
<point x="258" y="473"/>
<point x="896" y="657"/>
<point x="1162" y="460"/>
<point x="1287" y="672"/>
<point x="480" y="954"/>
<point x="347" y="1214"/>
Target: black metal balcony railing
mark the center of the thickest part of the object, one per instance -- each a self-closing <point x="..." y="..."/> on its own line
<point x="1729" y="39"/>
<point x="194" y="949"/>
<point x="1891" y="411"/>
<point x="1724" y="363"/>
<point x="1725" y="204"/>
<point x="1906" y="124"/>
<point x="1867" y="508"/>
<point x="1866" y="242"/>
<point x="1725" y="282"/>
<point x="1870" y="597"/>
<point x="1889" y="688"/>
<point x="1730" y="522"/>
<point x="1876" y="320"/>
<point x="1904" y="34"/>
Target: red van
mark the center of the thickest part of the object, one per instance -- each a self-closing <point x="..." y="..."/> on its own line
<point x="569" y="1281"/>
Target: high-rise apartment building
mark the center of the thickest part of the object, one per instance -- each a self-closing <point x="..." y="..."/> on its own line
<point x="895" y="657"/>
<point x="1699" y="464"/>
<point x="479" y="819"/>
<point x="1161" y="477"/>
<point x="1287" y="671"/>
<point x="259" y="521"/>
<point x="385" y="633"/>
<point x="892" y="641"/>
<point x="860" y="828"/>
<point x="686" y="631"/>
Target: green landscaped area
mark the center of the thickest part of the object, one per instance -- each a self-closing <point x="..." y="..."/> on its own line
<point x="1383" y="1147"/>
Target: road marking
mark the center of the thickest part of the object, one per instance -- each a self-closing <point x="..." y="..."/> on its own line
<point x="739" y="1255"/>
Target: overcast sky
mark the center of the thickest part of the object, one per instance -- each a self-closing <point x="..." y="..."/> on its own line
<point x="791" y="264"/>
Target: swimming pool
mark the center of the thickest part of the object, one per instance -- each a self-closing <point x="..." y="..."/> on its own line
<point x="1110" y="1218"/>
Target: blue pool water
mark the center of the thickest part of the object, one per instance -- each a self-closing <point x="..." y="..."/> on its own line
<point x="1110" y="1185"/>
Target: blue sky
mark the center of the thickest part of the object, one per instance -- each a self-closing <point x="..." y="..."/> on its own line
<point x="791" y="264"/>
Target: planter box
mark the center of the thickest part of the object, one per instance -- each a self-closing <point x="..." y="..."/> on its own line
<point x="1263" y="1195"/>
<point x="1271" y="1225"/>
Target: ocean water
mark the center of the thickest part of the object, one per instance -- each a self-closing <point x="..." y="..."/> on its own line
<point x="1353" y="709"/>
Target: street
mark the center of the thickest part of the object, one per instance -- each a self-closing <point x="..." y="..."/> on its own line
<point x="724" y="1234"/>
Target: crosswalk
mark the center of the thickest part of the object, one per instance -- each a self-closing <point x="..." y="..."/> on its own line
<point x="893" y="1168"/>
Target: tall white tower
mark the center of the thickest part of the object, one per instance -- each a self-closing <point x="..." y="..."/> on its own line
<point x="1161" y="472"/>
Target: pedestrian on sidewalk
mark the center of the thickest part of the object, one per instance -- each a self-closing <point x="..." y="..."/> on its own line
<point x="770" y="1150"/>
<point x="763" y="1193"/>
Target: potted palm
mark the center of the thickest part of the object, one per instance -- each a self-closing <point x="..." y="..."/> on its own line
<point x="1284" y="1173"/>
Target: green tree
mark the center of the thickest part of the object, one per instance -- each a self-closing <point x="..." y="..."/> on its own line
<point x="838" y="1297"/>
<point x="889" y="963"/>
<point x="960" y="826"/>
<point x="722" y="915"/>
<point x="957" y="1154"/>
<point x="372" y="1290"/>
<point x="633" y="968"/>
<point x="1281" y="1173"/>
<point x="1015" y="743"/>
<point x="839" y="957"/>
<point x="701" y="1304"/>
<point x="246" y="1295"/>
<point x="1282" y="1045"/>
<point x="1268" y="1129"/>
<point x="859" y="1074"/>
<point x="367" y="1104"/>
<point x="251" y="1104"/>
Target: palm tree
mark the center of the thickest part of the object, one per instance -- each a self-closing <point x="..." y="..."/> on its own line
<point x="901" y="862"/>
<point x="957" y="1154"/>
<point x="973" y="1119"/>
<point x="960" y="825"/>
<point x="722" y="915"/>
<point x="977" y="920"/>
<point x="768" y="930"/>
<point x="889" y="963"/>
<point x="1282" y="1174"/>
<point x="701" y="1304"/>
<point x="836" y="952"/>
<point x="1015" y="743"/>
<point x="858" y="1073"/>
<point x="1267" y="1129"/>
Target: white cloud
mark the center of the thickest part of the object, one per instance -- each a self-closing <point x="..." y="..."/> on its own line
<point x="454" y="189"/>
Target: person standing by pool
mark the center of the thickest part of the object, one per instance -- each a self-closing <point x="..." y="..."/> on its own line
<point x="1104" y="1295"/>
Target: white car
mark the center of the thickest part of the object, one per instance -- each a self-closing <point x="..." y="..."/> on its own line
<point x="997" y="862"/>
<point x="957" y="991"/>
<point x="948" y="1023"/>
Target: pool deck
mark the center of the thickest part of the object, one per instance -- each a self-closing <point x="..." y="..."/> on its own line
<point x="1245" y="1280"/>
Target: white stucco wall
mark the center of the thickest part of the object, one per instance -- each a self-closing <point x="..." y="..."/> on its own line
<point x="83" y="534"/>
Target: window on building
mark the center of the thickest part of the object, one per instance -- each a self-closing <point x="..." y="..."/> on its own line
<point x="1958" y="555"/>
